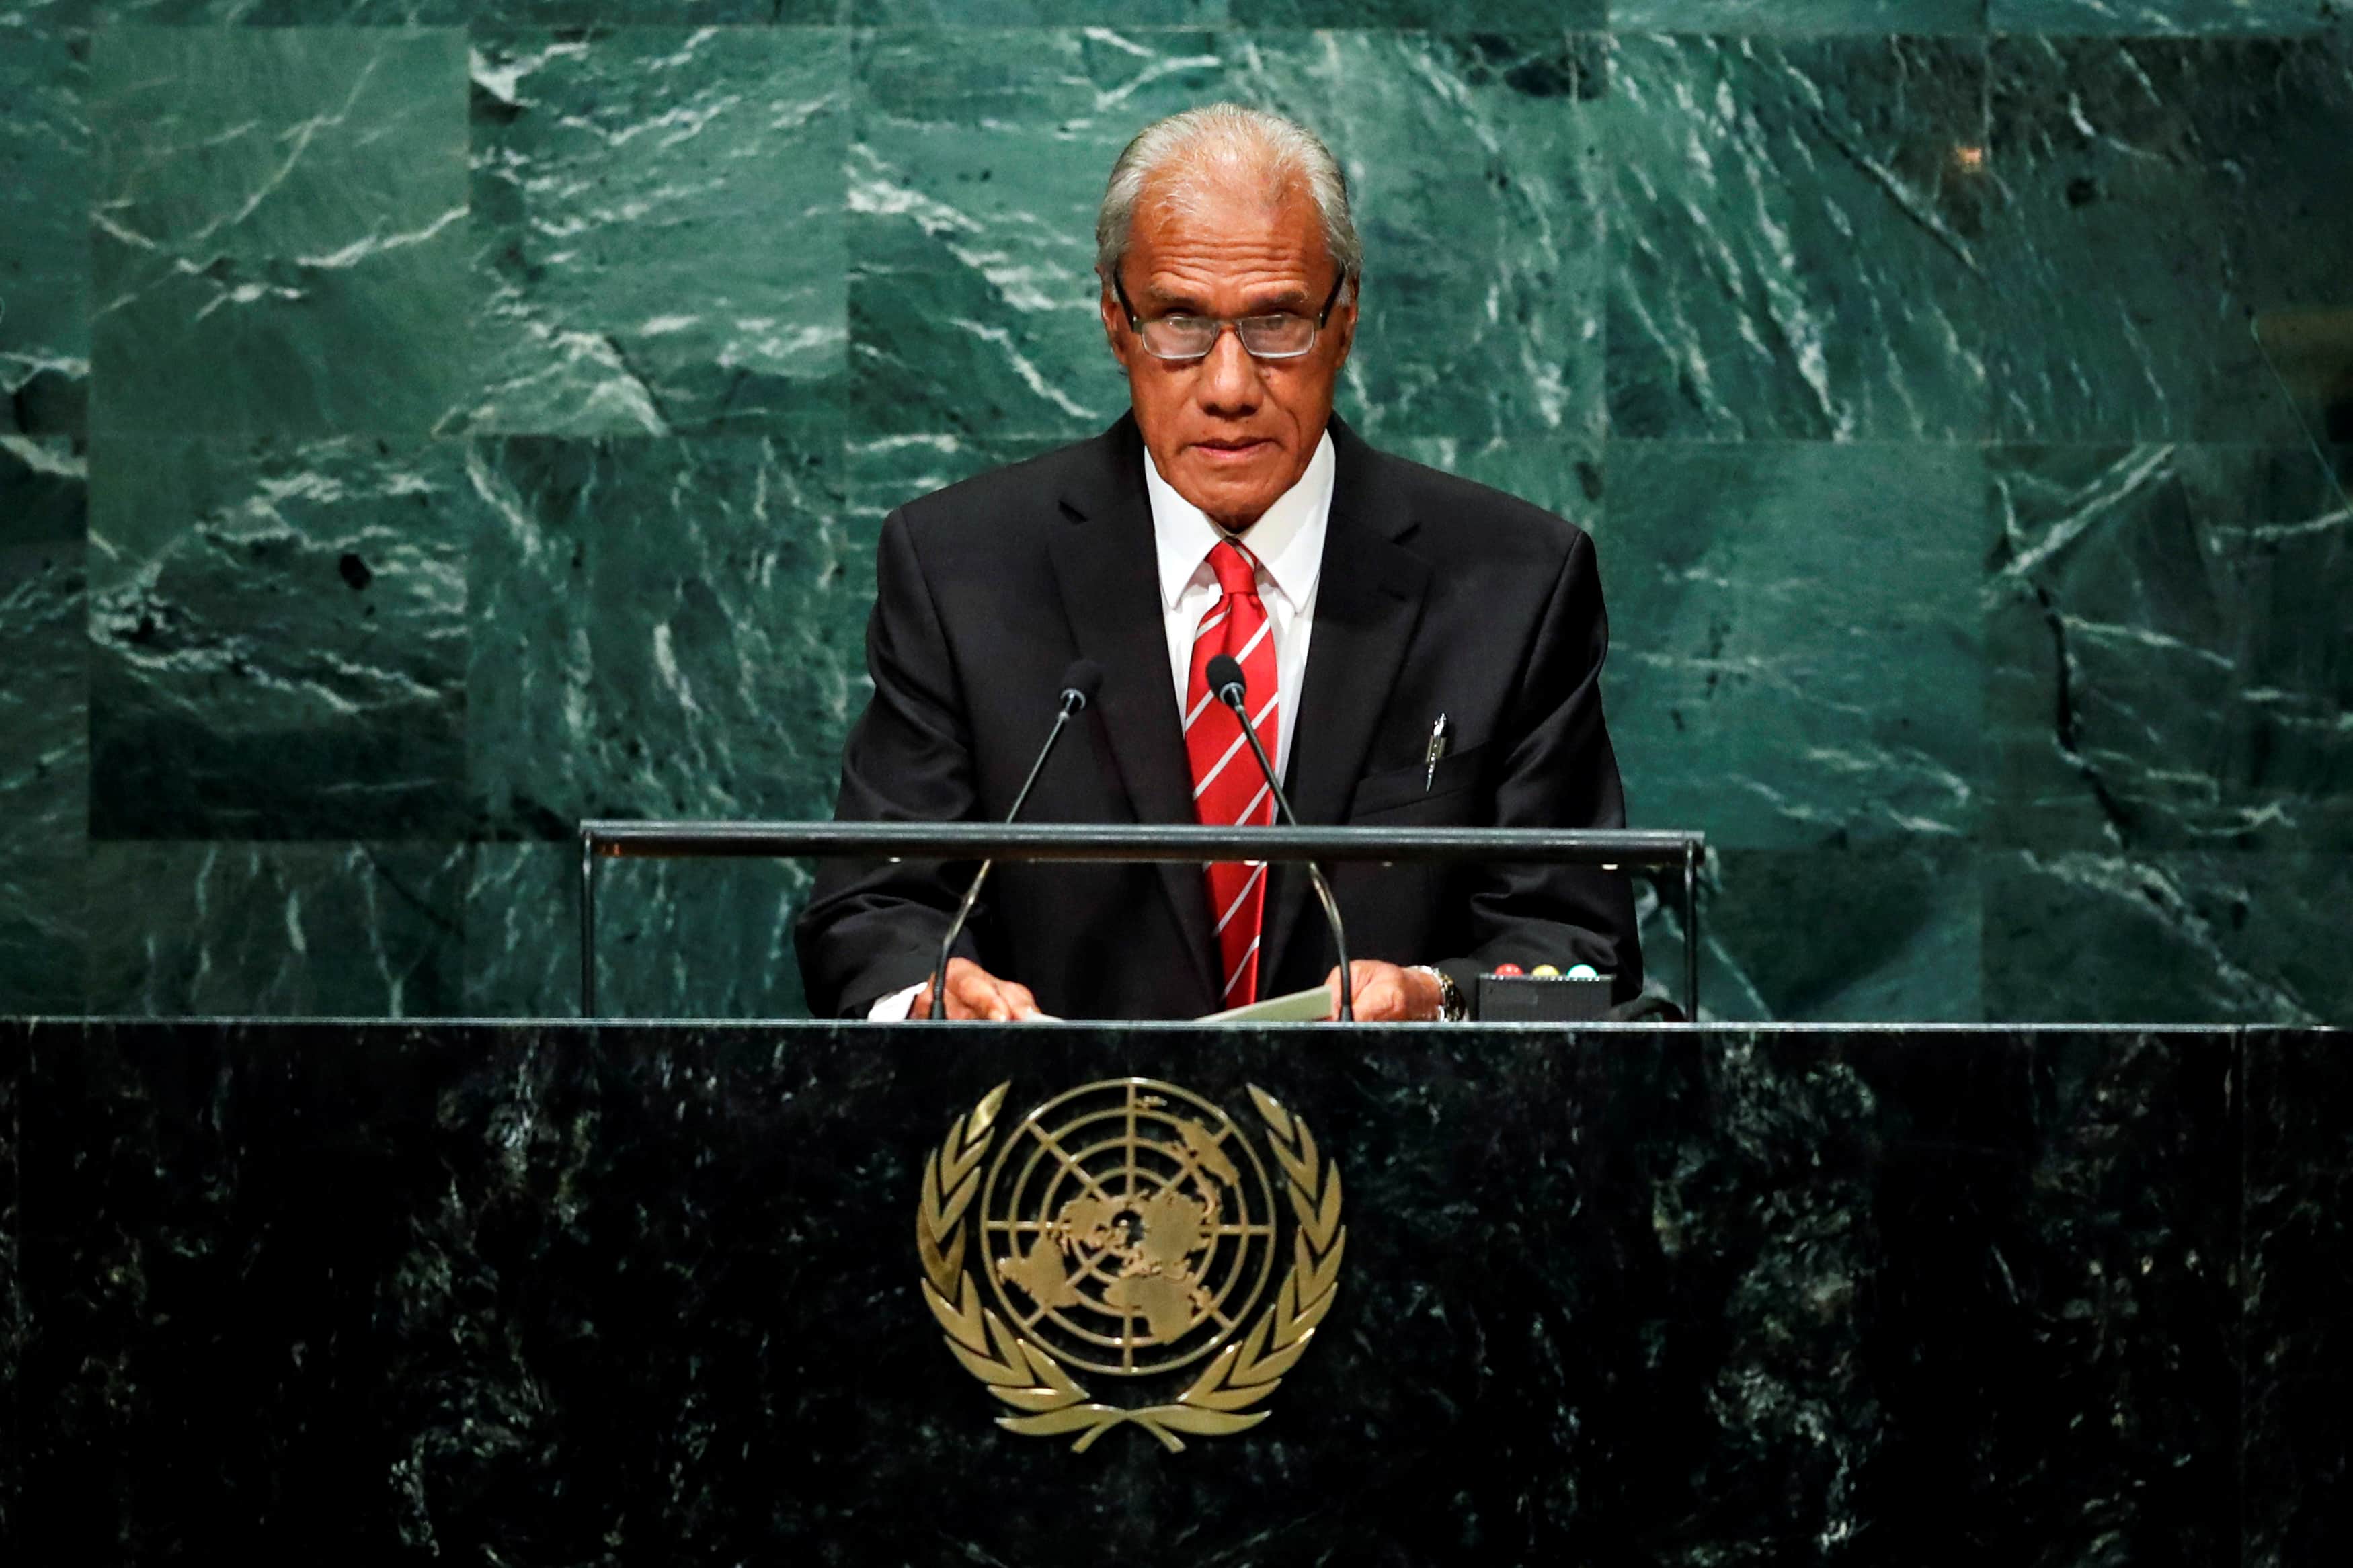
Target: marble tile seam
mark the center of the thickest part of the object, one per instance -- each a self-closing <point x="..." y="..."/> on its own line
<point x="2286" y="442"/>
<point x="2321" y="24"/>
<point x="524" y="25"/>
<point x="1710" y="1030"/>
<point x="820" y="423"/>
<point x="812" y="422"/>
<point x="1990" y="840"/>
<point x="496" y="29"/>
<point x="493" y="27"/>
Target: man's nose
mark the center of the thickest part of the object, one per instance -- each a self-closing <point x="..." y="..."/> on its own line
<point x="1228" y="384"/>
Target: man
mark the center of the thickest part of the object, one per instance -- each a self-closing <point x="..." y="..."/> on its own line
<point x="1372" y="604"/>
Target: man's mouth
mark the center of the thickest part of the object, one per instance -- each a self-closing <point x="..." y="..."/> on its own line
<point x="1227" y="449"/>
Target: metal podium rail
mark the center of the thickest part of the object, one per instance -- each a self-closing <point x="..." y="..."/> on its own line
<point x="602" y="840"/>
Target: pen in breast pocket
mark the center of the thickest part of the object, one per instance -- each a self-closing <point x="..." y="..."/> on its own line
<point x="1437" y="750"/>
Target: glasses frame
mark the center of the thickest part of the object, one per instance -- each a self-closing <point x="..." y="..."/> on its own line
<point x="1136" y="325"/>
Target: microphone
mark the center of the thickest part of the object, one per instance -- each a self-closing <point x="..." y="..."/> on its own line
<point x="1080" y="684"/>
<point x="1225" y="683"/>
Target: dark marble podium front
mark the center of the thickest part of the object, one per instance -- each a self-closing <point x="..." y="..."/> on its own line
<point x="543" y="1294"/>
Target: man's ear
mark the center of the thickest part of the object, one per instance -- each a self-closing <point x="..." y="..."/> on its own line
<point x="1344" y="318"/>
<point x="1113" y="318"/>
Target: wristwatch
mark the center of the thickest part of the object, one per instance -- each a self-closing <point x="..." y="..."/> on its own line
<point x="1451" y="1008"/>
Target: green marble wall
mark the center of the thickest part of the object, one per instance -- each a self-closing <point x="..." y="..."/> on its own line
<point x="426" y="422"/>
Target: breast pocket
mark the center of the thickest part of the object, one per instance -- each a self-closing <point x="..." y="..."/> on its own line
<point x="1444" y="795"/>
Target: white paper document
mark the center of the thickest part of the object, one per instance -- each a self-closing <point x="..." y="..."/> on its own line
<point x="1306" y="1006"/>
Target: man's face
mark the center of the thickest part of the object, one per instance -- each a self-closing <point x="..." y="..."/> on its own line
<point x="1230" y="433"/>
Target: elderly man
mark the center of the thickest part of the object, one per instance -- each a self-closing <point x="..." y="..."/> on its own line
<point x="1419" y="651"/>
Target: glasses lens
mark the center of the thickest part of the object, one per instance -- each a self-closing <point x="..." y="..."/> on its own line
<point x="1277" y="337"/>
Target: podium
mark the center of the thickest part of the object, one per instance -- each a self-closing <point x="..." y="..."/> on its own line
<point x="572" y="1292"/>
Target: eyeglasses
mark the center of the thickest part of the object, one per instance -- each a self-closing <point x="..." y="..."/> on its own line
<point x="1182" y="336"/>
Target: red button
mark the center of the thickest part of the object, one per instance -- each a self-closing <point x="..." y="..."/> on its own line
<point x="1503" y="970"/>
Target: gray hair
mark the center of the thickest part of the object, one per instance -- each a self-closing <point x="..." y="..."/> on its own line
<point x="1227" y="139"/>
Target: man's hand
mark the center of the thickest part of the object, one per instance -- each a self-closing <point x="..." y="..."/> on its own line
<point x="1385" y="994"/>
<point x="975" y="994"/>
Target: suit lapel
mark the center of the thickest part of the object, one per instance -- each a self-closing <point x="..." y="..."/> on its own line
<point x="1368" y="600"/>
<point x="1104" y="565"/>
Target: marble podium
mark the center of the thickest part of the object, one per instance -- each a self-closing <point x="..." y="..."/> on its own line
<point x="571" y="1293"/>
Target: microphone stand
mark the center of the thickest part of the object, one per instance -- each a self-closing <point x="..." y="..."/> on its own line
<point x="1234" y="695"/>
<point x="1073" y="701"/>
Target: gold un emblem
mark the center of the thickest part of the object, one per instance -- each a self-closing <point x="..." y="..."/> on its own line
<point x="1128" y="1228"/>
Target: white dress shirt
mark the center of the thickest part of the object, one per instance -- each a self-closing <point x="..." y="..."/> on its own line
<point x="1288" y="543"/>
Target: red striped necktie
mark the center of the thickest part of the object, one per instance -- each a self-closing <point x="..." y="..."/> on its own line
<point x="1228" y="788"/>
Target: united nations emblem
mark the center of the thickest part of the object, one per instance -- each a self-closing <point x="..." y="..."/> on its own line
<point x="1128" y="1228"/>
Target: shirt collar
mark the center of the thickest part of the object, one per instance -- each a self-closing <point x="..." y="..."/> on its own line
<point x="1288" y="541"/>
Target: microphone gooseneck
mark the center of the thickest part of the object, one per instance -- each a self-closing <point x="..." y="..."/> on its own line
<point x="1225" y="683"/>
<point x="1080" y="684"/>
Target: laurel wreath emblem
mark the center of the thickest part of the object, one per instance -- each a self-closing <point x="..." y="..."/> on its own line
<point x="1025" y="1375"/>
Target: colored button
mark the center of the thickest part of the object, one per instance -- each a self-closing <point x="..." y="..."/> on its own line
<point x="1502" y="970"/>
<point x="1545" y="972"/>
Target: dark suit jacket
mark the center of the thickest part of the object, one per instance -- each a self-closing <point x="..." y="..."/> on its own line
<point x="1436" y="595"/>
